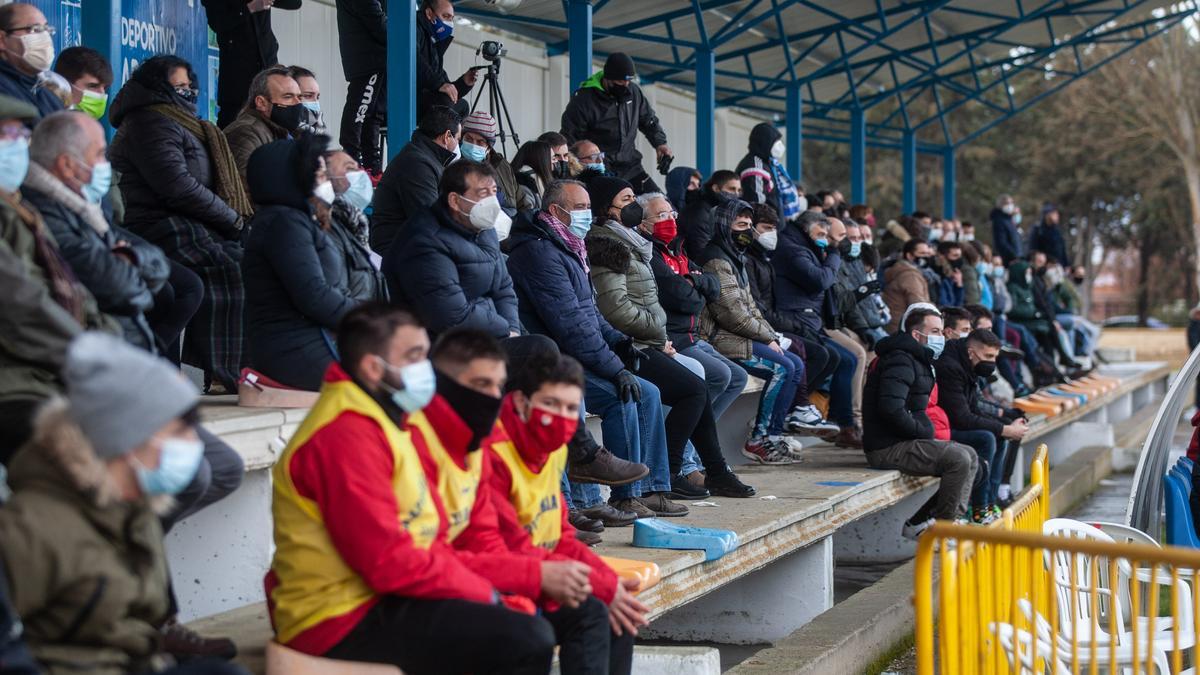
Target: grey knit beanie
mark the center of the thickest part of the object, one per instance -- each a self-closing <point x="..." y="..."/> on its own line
<point x="119" y="395"/>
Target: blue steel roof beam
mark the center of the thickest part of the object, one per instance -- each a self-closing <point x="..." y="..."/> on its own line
<point x="1085" y="37"/>
<point x="937" y="97"/>
<point x="1173" y="20"/>
<point x="735" y="22"/>
<point x="976" y="13"/>
<point x="625" y="30"/>
<point x="597" y="32"/>
<point x="881" y="14"/>
<point x="972" y="40"/>
<point x="674" y="47"/>
<point x="783" y="83"/>
<point x="787" y="49"/>
<point x="904" y="106"/>
<point x="853" y="86"/>
<point x="700" y="27"/>
<point x="900" y="100"/>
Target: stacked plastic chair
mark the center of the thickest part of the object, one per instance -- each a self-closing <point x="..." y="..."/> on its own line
<point x="1177" y="491"/>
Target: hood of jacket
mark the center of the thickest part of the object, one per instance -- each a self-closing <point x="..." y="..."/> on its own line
<point x="59" y="460"/>
<point x="1016" y="273"/>
<point x="594" y="82"/>
<point x="762" y="137"/>
<point x="897" y="230"/>
<point x="677" y="183"/>
<point x="281" y="173"/>
<point x="722" y="239"/>
<point x="904" y="343"/>
<point x="608" y="249"/>
<point x="135" y="95"/>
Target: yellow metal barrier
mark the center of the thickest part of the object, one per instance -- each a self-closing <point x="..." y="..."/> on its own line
<point x="1012" y="600"/>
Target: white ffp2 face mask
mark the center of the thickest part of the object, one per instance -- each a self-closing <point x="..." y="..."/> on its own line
<point x="777" y="149"/>
<point x="488" y="215"/>
<point x="769" y="240"/>
<point x="39" y="50"/>
<point x="324" y="192"/>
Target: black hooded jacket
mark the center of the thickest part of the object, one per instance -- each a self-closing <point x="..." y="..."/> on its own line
<point x="896" y="393"/>
<point x="294" y="272"/>
<point x="958" y="393"/>
<point x="682" y="294"/>
<point x="612" y="124"/>
<point x="362" y="36"/>
<point x="408" y="188"/>
<point x="696" y="222"/>
<point x="758" y="183"/>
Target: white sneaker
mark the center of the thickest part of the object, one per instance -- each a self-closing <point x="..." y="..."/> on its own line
<point x="913" y="531"/>
<point x="808" y="418"/>
<point x="791" y="446"/>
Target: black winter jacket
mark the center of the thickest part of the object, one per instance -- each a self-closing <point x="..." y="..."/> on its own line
<point x="451" y="276"/>
<point x="294" y="275"/>
<point x="758" y="186"/>
<point x="612" y="125"/>
<point x="556" y="297"/>
<point x="362" y="36"/>
<point x="409" y="187"/>
<point x="431" y="54"/>
<point x="958" y="390"/>
<point x="1006" y="239"/>
<point x="363" y="281"/>
<point x="696" y="223"/>
<point x="683" y="294"/>
<point x="165" y="170"/>
<point x="762" y="286"/>
<point x="803" y="277"/>
<point x="896" y="393"/>
<point x="248" y="33"/>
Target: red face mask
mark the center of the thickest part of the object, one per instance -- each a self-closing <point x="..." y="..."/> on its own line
<point x="544" y="432"/>
<point x="665" y="231"/>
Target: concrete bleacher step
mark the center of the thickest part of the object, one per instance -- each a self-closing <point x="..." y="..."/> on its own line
<point x="284" y="661"/>
<point x="658" y="533"/>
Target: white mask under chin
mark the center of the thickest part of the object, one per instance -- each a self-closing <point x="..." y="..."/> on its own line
<point x="324" y="192"/>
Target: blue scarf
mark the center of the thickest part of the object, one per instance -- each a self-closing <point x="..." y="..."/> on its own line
<point x="785" y="189"/>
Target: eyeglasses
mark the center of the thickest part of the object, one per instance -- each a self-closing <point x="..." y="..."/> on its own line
<point x="14" y="131"/>
<point x="665" y="215"/>
<point x="597" y="157"/>
<point x="33" y="28"/>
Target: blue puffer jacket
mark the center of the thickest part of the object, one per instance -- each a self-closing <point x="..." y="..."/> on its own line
<point x="451" y="276"/>
<point x="18" y="85"/>
<point x="803" y="275"/>
<point x="556" y="297"/>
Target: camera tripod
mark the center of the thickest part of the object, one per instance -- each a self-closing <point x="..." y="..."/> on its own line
<point x="497" y="104"/>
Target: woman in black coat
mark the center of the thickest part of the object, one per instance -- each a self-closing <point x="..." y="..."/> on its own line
<point x="181" y="194"/>
<point x="295" y="272"/>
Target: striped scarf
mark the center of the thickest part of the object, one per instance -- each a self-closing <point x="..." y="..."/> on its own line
<point x="574" y="243"/>
<point x="789" y="197"/>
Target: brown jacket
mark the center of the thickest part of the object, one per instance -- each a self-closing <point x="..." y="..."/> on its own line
<point x="903" y="284"/>
<point x="249" y="132"/>
<point x="733" y="322"/>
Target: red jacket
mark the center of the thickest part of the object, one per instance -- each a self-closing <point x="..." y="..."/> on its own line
<point x="1193" y="448"/>
<point x="941" y="421"/>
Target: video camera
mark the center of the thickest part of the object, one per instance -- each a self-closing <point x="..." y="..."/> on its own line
<point x="491" y="50"/>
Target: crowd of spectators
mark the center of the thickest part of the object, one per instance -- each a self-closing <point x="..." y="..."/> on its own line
<point x="455" y="316"/>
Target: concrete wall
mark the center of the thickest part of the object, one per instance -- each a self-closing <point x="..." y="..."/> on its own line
<point x="535" y="86"/>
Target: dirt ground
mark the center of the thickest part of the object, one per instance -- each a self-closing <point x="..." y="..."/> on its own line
<point x="1152" y="345"/>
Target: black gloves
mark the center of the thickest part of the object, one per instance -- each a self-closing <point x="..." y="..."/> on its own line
<point x="628" y="388"/>
<point x="867" y="290"/>
<point x="630" y="355"/>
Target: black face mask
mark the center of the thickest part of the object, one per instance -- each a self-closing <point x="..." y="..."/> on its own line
<point x="1041" y="271"/>
<point x="188" y="94"/>
<point x="478" y="411"/>
<point x="1078" y="280"/>
<point x="619" y="92"/>
<point x="957" y="264"/>
<point x="631" y="215"/>
<point x="562" y="170"/>
<point x="922" y="262"/>
<point x="289" y="117"/>
<point x="742" y="239"/>
<point x="985" y="368"/>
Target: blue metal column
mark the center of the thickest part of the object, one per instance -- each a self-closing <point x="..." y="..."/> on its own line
<point x="795" y="134"/>
<point x="858" y="157"/>
<point x="706" y="111"/>
<point x="402" y="77"/>
<point x="948" y="182"/>
<point x="579" y="22"/>
<point x="909" y="161"/>
<point x="101" y="29"/>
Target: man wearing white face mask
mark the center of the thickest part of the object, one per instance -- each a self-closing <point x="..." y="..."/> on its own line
<point x="349" y="227"/>
<point x="446" y="263"/>
<point x="764" y="180"/>
<point x="26" y="50"/>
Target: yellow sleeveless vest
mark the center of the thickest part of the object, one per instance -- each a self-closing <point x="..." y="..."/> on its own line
<point x="535" y="496"/>
<point x="456" y="486"/>
<point x="315" y="584"/>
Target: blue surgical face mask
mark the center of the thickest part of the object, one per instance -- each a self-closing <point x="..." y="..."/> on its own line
<point x="595" y="167"/>
<point x="177" y="464"/>
<point x="441" y="29"/>
<point x="418" y="388"/>
<point x="855" y="249"/>
<point x="314" y="106"/>
<point x="581" y="223"/>
<point x="360" y="192"/>
<point x="14" y="163"/>
<point x="475" y="153"/>
<point x="95" y="189"/>
<point x="935" y="344"/>
<point x="821" y="243"/>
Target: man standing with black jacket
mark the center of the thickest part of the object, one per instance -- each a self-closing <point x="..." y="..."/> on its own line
<point x="897" y="432"/>
<point x="247" y="46"/>
<point x="362" y="40"/>
<point x="959" y="368"/>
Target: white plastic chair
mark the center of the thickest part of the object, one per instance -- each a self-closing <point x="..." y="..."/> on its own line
<point x="1081" y="654"/>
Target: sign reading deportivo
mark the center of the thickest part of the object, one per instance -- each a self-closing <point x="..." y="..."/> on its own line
<point x="149" y="27"/>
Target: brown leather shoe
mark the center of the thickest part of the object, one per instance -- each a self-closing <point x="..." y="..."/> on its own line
<point x="632" y="505"/>
<point x="186" y="644"/>
<point x="607" y="469"/>
<point x="610" y="515"/>
<point x="849" y="437"/>
<point x="589" y="538"/>
<point x="663" y="507"/>
<point x="696" y="478"/>
<point x="583" y="523"/>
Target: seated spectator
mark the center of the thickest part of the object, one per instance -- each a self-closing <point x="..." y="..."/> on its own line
<point x="810" y="370"/>
<point x="246" y="44"/>
<point x="860" y="290"/>
<point x="446" y="263"/>
<point x="182" y="193"/>
<point x="310" y="98"/>
<point x="764" y="180"/>
<point x="963" y="363"/>
<point x="535" y="170"/>
<point x="68" y="177"/>
<point x="696" y="216"/>
<point x="410" y="184"/>
<point x="296" y="291"/>
<point x="435" y="24"/>
<point x="680" y="181"/>
<point x="897" y="431"/>
<point x="90" y="77"/>
<point x="549" y="266"/>
<point x="362" y="570"/>
<point x="450" y="432"/>
<point x="272" y="113"/>
<point x="480" y="131"/>
<point x="590" y="159"/>
<point x="949" y="265"/>
<point x="619" y="252"/>
<point x="350" y="226"/>
<point x="28" y="52"/>
<point x="903" y="283"/>
<point x="1032" y="310"/>
<point x="806" y="266"/>
<point x="524" y="455"/>
<point x="88" y="492"/>
<point x="1081" y="333"/>
<point x="972" y="284"/>
<point x="739" y="332"/>
<point x="563" y="164"/>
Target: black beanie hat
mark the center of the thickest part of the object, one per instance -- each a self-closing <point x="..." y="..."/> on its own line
<point x="603" y="190"/>
<point x="619" y="67"/>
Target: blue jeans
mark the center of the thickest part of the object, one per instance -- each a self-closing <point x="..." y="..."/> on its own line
<point x="1083" y="333"/>
<point x="841" y="391"/>
<point x="632" y="431"/>
<point x="726" y="381"/>
<point x="1029" y="345"/>
<point x="984" y="444"/>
